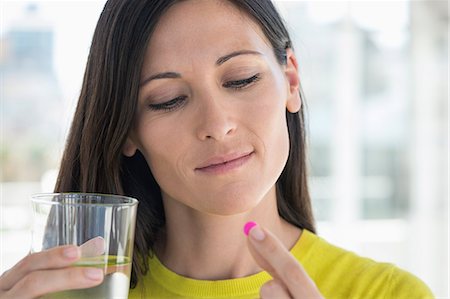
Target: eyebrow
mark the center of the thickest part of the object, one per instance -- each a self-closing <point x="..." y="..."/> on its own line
<point x="227" y="57"/>
<point x="220" y="61"/>
<point x="165" y="75"/>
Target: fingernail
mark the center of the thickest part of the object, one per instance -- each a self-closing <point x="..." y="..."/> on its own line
<point x="257" y="233"/>
<point x="248" y="226"/>
<point x="254" y="231"/>
<point x="71" y="252"/>
<point x="93" y="273"/>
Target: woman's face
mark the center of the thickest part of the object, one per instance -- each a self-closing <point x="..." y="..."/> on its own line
<point x="211" y="111"/>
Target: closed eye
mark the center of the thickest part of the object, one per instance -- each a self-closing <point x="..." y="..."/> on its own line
<point x="239" y="84"/>
<point x="169" y="105"/>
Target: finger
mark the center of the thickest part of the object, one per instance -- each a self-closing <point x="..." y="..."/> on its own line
<point x="58" y="257"/>
<point x="39" y="283"/>
<point x="93" y="247"/>
<point x="272" y="256"/>
<point x="265" y="250"/>
<point x="274" y="289"/>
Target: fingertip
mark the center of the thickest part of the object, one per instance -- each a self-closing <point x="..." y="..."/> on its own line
<point x="254" y="231"/>
<point x="94" y="274"/>
<point x="257" y="234"/>
<point x="71" y="252"/>
<point x="248" y="226"/>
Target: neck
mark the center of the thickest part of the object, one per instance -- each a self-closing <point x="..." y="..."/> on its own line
<point x="213" y="247"/>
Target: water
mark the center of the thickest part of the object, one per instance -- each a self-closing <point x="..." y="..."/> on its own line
<point x="115" y="285"/>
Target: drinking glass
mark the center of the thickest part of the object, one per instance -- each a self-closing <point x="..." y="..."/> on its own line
<point x="101" y="225"/>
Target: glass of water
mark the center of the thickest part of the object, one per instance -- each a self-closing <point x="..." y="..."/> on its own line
<point x="101" y="225"/>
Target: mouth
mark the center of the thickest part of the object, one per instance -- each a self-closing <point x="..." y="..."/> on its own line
<point x="224" y="164"/>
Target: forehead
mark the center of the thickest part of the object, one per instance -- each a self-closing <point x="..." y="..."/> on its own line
<point x="202" y="30"/>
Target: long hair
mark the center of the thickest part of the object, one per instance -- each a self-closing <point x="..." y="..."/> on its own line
<point x="93" y="160"/>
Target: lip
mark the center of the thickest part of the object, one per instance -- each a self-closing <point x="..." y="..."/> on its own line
<point x="224" y="163"/>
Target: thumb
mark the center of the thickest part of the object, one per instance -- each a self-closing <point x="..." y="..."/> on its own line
<point x="93" y="247"/>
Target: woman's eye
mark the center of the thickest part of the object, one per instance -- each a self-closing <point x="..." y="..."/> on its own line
<point x="169" y="105"/>
<point x="238" y="84"/>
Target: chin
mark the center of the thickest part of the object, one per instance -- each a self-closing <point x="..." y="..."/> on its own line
<point x="227" y="206"/>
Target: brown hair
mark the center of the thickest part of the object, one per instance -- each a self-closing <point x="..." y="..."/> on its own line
<point x="93" y="160"/>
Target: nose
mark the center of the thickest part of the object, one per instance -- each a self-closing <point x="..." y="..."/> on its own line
<point x="214" y="121"/>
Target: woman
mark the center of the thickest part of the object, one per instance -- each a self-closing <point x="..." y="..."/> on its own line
<point x="194" y="107"/>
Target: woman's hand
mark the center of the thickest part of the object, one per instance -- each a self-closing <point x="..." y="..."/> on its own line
<point x="290" y="280"/>
<point x="46" y="272"/>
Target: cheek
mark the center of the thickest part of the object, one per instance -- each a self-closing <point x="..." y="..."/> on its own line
<point x="275" y="135"/>
<point x="269" y="111"/>
<point x="162" y="148"/>
<point x="270" y="115"/>
<point x="150" y="135"/>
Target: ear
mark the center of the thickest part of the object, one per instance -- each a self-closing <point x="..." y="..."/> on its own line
<point x="129" y="148"/>
<point x="293" y="102"/>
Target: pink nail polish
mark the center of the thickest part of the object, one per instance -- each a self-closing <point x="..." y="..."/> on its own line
<point x="248" y="226"/>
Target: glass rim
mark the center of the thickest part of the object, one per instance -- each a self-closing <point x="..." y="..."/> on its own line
<point x="46" y="198"/>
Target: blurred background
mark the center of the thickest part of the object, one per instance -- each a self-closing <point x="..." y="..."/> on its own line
<point x="375" y="75"/>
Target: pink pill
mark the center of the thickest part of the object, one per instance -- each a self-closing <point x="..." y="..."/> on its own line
<point x="248" y="226"/>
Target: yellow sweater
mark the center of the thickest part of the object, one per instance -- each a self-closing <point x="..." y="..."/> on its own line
<point x="339" y="274"/>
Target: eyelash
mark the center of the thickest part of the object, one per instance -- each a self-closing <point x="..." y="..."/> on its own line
<point x="239" y="84"/>
<point x="179" y="101"/>
<point x="169" y="105"/>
